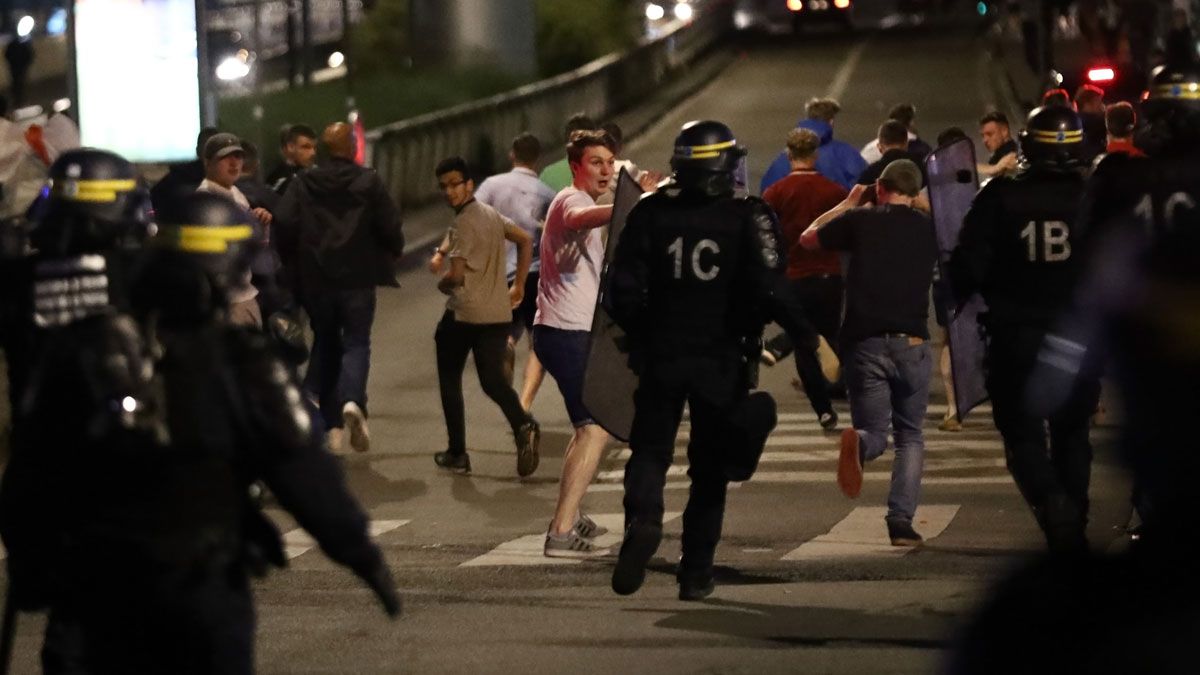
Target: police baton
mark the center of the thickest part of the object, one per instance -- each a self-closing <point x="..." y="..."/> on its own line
<point x="8" y="630"/>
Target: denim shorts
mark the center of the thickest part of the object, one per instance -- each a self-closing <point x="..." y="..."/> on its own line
<point x="564" y="354"/>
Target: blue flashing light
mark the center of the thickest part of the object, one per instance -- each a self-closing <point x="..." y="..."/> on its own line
<point x="982" y="8"/>
<point x="57" y="23"/>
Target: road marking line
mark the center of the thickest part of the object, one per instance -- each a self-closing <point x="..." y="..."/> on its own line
<point x="841" y="80"/>
<point x="863" y="533"/>
<point x="872" y="476"/>
<point x="528" y="550"/>
<point x="297" y="542"/>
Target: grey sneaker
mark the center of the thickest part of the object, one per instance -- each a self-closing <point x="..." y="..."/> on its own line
<point x="571" y="545"/>
<point x="588" y="528"/>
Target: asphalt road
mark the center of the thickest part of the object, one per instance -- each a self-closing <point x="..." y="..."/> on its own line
<point x="806" y="580"/>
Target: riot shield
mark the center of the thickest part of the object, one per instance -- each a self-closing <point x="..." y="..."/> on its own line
<point x="608" y="382"/>
<point x="952" y="187"/>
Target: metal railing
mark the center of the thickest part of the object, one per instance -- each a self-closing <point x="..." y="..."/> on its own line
<point x="404" y="153"/>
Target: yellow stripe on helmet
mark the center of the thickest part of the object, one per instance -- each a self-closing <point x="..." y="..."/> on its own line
<point x="1058" y="136"/>
<point x="703" y="151"/>
<point x="208" y="239"/>
<point x="92" y="191"/>
<point x="1184" y="90"/>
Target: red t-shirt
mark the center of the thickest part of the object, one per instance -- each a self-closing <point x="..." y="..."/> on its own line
<point x="798" y="199"/>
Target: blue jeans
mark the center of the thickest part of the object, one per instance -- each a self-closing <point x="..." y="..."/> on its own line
<point x="887" y="379"/>
<point x="341" y="355"/>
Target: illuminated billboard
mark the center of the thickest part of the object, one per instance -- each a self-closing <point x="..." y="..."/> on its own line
<point x="137" y="77"/>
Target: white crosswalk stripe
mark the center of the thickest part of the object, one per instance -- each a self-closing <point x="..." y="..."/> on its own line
<point x="980" y="451"/>
<point x="297" y="542"/>
<point x="527" y="550"/>
<point x="863" y="533"/>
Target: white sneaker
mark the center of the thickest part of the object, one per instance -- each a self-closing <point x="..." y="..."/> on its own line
<point x="356" y="424"/>
<point x="335" y="441"/>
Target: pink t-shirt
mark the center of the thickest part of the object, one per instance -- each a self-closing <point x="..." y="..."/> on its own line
<point x="571" y="264"/>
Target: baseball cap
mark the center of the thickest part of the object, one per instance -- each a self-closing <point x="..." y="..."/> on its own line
<point x="902" y="176"/>
<point x="222" y="145"/>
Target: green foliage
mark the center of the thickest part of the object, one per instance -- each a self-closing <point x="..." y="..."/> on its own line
<point x="571" y="33"/>
<point x="382" y="98"/>
<point x="380" y="39"/>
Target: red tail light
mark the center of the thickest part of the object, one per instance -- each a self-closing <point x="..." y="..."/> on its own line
<point x="1101" y="74"/>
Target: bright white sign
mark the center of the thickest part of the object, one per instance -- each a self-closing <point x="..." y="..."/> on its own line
<point x="137" y="77"/>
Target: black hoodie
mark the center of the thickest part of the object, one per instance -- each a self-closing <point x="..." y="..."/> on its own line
<point x="337" y="228"/>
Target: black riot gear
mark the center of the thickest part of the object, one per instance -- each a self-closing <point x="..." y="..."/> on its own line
<point x="1053" y="139"/>
<point x="95" y="202"/>
<point x="204" y="246"/>
<point x="706" y="157"/>
<point x="214" y="231"/>
<point x="691" y="284"/>
<point x="1019" y="247"/>
<point x="1172" y="111"/>
<point x="172" y="420"/>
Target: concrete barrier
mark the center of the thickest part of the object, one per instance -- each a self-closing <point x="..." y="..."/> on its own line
<point x="404" y="153"/>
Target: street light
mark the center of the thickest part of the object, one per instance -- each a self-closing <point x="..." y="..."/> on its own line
<point x="25" y="26"/>
<point x="234" y="67"/>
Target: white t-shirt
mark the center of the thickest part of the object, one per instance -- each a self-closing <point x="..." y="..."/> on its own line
<point x="571" y="264"/>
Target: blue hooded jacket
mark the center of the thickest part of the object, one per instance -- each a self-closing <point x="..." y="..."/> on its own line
<point x="836" y="160"/>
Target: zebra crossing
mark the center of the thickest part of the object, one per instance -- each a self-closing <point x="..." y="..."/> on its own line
<point x="800" y="451"/>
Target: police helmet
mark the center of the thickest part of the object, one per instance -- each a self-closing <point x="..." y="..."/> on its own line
<point x="1174" y="85"/>
<point x="706" y="156"/>
<point x="1053" y="138"/>
<point x="1172" y="111"/>
<point x="212" y="230"/>
<point x="93" y="203"/>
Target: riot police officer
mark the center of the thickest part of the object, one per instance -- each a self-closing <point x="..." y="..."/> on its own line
<point x="1134" y="309"/>
<point x="1141" y="220"/>
<point x="147" y="525"/>
<point x="691" y="284"/>
<point x="80" y="250"/>
<point x="1018" y="247"/>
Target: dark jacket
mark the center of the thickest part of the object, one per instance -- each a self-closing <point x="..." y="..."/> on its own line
<point x="1095" y="135"/>
<point x="281" y="177"/>
<point x="337" y="228"/>
<point x="181" y="179"/>
<point x="693" y="273"/>
<point x="1018" y="247"/>
<point x="872" y="173"/>
<point x="837" y="160"/>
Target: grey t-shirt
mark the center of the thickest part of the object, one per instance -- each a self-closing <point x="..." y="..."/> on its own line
<point x="477" y="237"/>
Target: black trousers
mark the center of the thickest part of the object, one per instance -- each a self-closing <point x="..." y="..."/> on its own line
<point x="1046" y="473"/>
<point x="170" y="624"/>
<point x="712" y="388"/>
<point x="799" y="333"/>
<point x="487" y="342"/>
